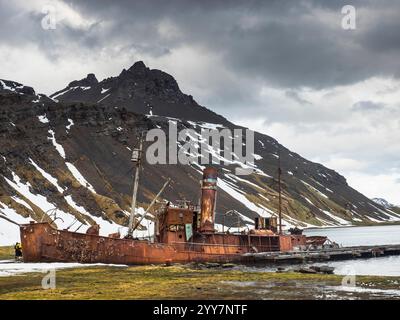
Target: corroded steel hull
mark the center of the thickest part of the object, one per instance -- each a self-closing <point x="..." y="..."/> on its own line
<point x="42" y="243"/>
<point x="316" y="240"/>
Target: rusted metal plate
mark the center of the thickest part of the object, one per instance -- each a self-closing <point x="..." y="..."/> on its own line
<point x="316" y="240"/>
<point x="41" y="242"/>
<point x="208" y="199"/>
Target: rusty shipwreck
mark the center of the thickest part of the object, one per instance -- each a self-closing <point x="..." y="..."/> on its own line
<point x="183" y="233"/>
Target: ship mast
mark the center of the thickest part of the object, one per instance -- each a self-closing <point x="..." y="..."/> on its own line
<point x="151" y="204"/>
<point x="137" y="159"/>
<point x="280" y="189"/>
<point x="8" y="219"/>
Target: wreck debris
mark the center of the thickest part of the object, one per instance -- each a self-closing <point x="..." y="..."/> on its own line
<point x="186" y="233"/>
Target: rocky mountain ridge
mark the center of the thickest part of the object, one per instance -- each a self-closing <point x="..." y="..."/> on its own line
<point x="68" y="157"/>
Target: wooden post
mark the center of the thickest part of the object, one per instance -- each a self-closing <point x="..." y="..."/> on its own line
<point x="8" y="219"/>
<point x="151" y="204"/>
<point x="280" y="190"/>
<point x="136" y="157"/>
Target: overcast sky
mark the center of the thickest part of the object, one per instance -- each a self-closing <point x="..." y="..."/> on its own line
<point x="285" y="68"/>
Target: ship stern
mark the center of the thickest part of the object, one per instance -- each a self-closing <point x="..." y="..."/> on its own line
<point x="33" y="236"/>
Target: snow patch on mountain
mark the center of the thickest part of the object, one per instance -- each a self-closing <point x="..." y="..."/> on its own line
<point x="54" y="96"/>
<point x="78" y="176"/>
<point x="336" y="218"/>
<point x="315" y="189"/>
<point x="382" y="202"/>
<point x="237" y="195"/>
<point x="58" y="146"/>
<point x="104" y="98"/>
<point x="43" y="119"/>
<point x="70" y="124"/>
<point x="49" y="177"/>
<point x="106" y="226"/>
<point x="24" y="203"/>
<point x="62" y="219"/>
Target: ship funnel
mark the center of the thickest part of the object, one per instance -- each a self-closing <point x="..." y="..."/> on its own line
<point x="208" y="199"/>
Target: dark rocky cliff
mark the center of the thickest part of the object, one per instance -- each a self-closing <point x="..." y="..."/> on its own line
<point x="73" y="153"/>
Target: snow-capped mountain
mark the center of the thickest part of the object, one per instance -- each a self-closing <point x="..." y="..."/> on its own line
<point x="386" y="204"/>
<point x="138" y="89"/>
<point x="382" y="202"/>
<point x="68" y="158"/>
<point x="15" y="87"/>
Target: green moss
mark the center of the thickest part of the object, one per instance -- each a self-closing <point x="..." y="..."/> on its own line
<point x="177" y="282"/>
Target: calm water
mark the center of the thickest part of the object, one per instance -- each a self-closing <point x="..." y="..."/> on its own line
<point x="383" y="266"/>
<point x="357" y="236"/>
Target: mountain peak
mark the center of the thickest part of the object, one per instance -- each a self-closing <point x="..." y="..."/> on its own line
<point x="16" y="87"/>
<point x="89" y="81"/>
<point x="135" y="88"/>
<point x="92" y="78"/>
<point x="138" y="67"/>
<point x="383" y="202"/>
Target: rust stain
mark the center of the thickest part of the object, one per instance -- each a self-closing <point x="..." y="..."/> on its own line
<point x="172" y="242"/>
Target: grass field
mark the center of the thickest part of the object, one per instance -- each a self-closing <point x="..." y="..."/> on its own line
<point x="6" y="253"/>
<point x="180" y="282"/>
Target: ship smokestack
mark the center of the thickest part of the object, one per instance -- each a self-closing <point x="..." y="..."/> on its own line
<point x="208" y="199"/>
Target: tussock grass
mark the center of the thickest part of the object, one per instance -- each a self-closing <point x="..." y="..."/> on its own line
<point x="176" y="282"/>
<point x="6" y="253"/>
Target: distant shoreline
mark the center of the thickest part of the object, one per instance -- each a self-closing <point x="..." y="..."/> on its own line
<point x="355" y="226"/>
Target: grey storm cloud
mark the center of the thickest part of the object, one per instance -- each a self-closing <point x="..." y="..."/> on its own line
<point x="284" y="43"/>
<point x="367" y="106"/>
<point x="295" y="96"/>
<point x="278" y="62"/>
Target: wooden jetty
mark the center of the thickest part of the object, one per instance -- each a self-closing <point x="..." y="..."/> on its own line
<point x="324" y="254"/>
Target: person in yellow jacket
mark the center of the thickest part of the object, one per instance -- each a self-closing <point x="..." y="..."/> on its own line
<point x="18" y="251"/>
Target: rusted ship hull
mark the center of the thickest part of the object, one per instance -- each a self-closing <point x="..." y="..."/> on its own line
<point x="182" y="234"/>
<point x="43" y="243"/>
<point x="316" y="240"/>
